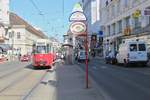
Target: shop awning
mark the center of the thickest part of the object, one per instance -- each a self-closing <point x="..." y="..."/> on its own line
<point x="5" y="47"/>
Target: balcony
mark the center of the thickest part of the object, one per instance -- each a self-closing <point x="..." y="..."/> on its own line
<point x="140" y="30"/>
<point x="136" y="30"/>
<point x="147" y="28"/>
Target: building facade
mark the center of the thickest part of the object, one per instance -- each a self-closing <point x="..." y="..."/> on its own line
<point x="4" y="11"/>
<point x="92" y="11"/>
<point x="4" y="23"/>
<point x="124" y="19"/>
<point x="22" y="36"/>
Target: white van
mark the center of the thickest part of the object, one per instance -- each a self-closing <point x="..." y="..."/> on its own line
<point x="133" y="51"/>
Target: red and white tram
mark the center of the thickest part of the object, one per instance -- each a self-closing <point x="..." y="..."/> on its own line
<point x="42" y="56"/>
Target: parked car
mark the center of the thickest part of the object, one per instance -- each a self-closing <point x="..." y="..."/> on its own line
<point x="133" y="52"/>
<point x="25" y="58"/>
<point x="3" y="57"/>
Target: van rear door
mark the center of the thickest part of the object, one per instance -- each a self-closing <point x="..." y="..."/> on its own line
<point x="142" y="52"/>
<point x="133" y="55"/>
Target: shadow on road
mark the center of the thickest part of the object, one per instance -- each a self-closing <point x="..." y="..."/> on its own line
<point x="32" y="68"/>
<point x="132" y="66"/>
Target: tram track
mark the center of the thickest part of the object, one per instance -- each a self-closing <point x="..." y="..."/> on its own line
<point x="14" y="71"/>
<point x="15" y="81"/>
<point x="22" y="86"/>
<point x="11" y="73"/>
<point x="35" y="86"/>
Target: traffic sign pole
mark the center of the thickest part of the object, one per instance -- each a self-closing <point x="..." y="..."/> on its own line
<point x="86" y="62"/>
<point x="78" y="27"/>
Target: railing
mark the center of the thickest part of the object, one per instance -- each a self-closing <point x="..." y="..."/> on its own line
<point x="136" y="30"/>
<point x="139" y="30"/>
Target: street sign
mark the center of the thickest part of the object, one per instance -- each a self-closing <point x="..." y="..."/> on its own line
<point x="77" y="16"/>
<point x="78" y="28"/>
<point x="100" y="33"/>
<point x="136" y="14"/>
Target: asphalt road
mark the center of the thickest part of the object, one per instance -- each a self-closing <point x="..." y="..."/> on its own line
<point x="118" y="82"/>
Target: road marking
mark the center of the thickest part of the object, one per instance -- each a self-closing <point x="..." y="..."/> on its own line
<point x="94" y="67"/>
<point x="103" y="67"/>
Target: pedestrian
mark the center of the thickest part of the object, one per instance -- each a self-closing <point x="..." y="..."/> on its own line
<point x="19" y="57"/>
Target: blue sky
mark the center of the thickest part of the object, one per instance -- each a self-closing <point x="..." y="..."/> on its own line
<point x="54" y="23"/>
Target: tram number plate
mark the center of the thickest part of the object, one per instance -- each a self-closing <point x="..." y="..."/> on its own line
<point x="42" y="63"/>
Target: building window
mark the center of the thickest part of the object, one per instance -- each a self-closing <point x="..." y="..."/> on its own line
<point x="10" y="35"/>
<point x="136" y="2"/>
<point x="118" y="7"/>
<point x="18" y="35"/>
<point x="137" y="23"/>
<point x="119" y="26"/>
<point x="113" y="10"/>
<point x="108" y="14"/>
<point x="126" y="3"/>
<point x="114" y="28"/>
<point x="108" y="30"/>
<point x="148" y="20"/>
<point x="128" y="22"/>
<point x="106" y="3"/>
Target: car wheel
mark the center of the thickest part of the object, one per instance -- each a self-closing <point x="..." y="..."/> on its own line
<point x="144" y="64"/>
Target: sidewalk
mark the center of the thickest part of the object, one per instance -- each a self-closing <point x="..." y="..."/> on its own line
<point x="71" y="84"/>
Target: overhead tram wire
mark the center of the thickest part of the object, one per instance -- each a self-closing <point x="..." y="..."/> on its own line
<point x="63" y="8"/>
<point x="39" y="11"/>
<point x="33" y="3"/>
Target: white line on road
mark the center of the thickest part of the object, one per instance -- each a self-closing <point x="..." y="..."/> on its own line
<point x="103" y="67"/>
<point x="94" y="67"/>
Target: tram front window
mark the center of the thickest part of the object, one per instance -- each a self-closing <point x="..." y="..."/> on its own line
<point x="41" y="49"/>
